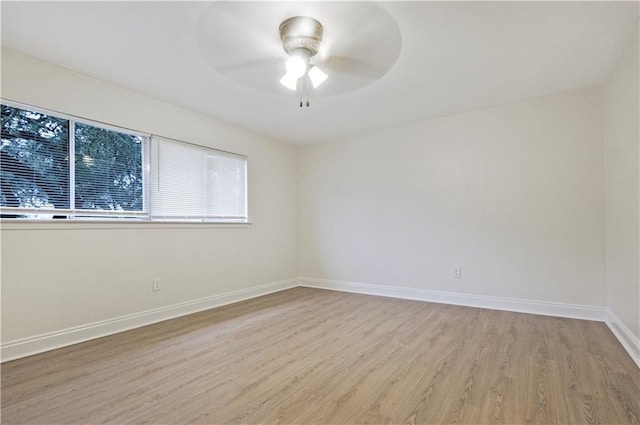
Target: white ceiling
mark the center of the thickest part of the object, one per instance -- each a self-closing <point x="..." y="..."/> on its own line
<point x="454" y="56"/>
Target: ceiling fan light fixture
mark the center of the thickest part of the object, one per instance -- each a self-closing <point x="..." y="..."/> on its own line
<point x="301" y="39"/>
<point x="316" y="76"/>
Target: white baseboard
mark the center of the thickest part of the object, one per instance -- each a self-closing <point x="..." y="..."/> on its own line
<point x="629" y="341"/>
<point x="574" y="311"/>
<point x="52" y="340"/>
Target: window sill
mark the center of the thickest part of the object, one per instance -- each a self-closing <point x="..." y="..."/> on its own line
<point x="8" y="224"/>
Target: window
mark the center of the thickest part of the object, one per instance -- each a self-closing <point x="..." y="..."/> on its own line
<point x="55" y="167"/>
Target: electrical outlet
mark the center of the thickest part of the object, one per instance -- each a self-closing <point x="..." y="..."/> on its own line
<point x="456" y="272"/>
<point x="155" y="284"/>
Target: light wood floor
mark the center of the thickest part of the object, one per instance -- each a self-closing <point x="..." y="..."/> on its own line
<point x="306" y="356"/>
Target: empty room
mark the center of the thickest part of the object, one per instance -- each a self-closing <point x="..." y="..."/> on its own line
<point x="230" y="212"/>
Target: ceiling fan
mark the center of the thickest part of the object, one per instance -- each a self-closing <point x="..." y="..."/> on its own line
<point x="301" y="38"/>
<point x="359" y="44"/>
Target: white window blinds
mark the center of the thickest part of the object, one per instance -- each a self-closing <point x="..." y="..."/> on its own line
<point x="195" y="183"/>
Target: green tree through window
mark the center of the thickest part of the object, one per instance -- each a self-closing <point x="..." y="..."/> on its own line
<point x="35" y="165"/>
<point x="108" y="170"/>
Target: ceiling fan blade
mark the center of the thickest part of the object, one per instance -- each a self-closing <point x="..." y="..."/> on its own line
<point x="229" y="37"/>
<point x="355" y="66"/>
<point x="253" y="63"/>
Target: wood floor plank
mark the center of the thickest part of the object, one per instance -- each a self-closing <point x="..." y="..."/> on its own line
<point x="308" y="356"/>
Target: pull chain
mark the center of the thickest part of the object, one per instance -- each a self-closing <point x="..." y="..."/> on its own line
<point x="300" y="83"/>
<point x="304" y="91"/>
<point x="307" y="83"/>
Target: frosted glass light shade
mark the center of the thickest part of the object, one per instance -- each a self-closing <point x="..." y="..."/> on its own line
<point x="289" y="81"/>
<point x="296" y="66"/>
<point x="316" y="76"/>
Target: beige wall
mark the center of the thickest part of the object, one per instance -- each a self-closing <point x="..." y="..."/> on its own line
<point x="513" y="194"/>
<point x="58" y="275"/>
<point x="621" y="135"/>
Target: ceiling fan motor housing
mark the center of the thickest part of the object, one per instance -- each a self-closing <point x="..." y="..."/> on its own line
<point x="301" y="33"/>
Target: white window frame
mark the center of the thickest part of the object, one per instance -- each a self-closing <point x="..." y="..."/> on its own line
<point x="126" y="218"/>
